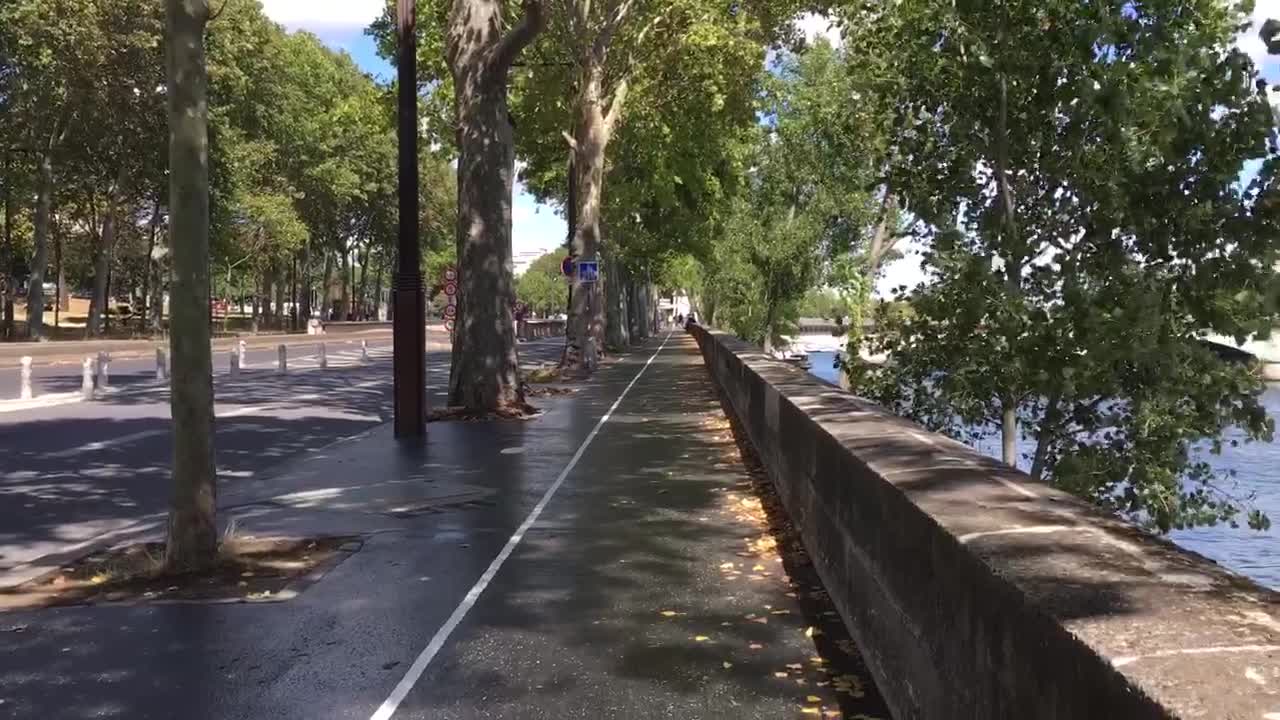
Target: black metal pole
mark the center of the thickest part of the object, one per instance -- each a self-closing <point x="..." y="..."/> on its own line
<point x="409" y="333"/>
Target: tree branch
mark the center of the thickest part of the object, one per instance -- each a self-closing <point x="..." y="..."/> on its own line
<point x="518" y="38"/>
<point x="615" y="106"/>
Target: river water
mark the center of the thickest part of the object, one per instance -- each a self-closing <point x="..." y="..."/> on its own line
<point x="1257" y="473"/>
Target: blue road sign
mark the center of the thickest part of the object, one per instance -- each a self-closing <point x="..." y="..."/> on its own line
<point x="588" y="271"/>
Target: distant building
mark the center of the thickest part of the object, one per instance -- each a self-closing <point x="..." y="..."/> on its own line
<point x="525" y="258"/>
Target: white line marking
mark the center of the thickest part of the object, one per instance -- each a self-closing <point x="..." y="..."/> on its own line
<point x="104" y="444"/>
<point x="388" y="708"/>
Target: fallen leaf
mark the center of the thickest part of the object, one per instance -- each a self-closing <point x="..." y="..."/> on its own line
<point x="757" y="568"/>
<point x="761" y="620"/>
<point x="727" y="665"/>
<point x="780" y="675"/>
<point x="795" y="666"/>
<point x="669" y="613"/>
<point x="809" y="710"/>
<point x="814" y="698"/>
<point x="701" y="638"/>
<point x="726" y="566"/>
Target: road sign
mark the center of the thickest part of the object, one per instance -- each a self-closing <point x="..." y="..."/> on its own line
<point x="451" y="288"/>
<point x="588" y="271"/>
<point x="566" y="265"/>
<point x="450" y="312"/>
<point x="450" y="274"/>
<point x="448" y="325"/>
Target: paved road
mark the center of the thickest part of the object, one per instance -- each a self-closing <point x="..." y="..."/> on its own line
<point x="71" y="472"/>
<point x="607" y="570"/>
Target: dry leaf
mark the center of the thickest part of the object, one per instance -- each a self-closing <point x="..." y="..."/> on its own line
<point x="727" y="665"/>
<point x="755" y="646"/>
<point x="814" y="698"/>
<point x="669" y="613"/>
<point x="809" y="710"/>
<point x="780" y="675"/>
<point x="701" y="638"/>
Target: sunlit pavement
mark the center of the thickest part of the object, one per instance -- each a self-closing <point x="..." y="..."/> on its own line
<point x="553" y="568"/>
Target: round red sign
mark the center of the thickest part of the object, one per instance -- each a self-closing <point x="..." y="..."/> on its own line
<point x="450" y="288"/>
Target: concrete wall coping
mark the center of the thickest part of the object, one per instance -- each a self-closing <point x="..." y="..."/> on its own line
<point x="1197" y="640"/>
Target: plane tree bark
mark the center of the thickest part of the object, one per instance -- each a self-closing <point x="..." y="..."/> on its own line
<point x="485" y="372"/>
<point x="192" y="534"/>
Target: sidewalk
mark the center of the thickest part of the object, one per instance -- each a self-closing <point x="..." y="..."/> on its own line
<point x="556" y="568"/>
<point x="76" y="350"/>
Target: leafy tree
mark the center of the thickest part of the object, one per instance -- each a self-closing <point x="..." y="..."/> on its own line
<point x="1076" y="170"/>
<point x="542" y="286"/>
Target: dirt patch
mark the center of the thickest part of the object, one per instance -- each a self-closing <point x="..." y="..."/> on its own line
<point x="548" y="390"/>
<point x="247" y="570"/>
<point x="542" y="375"/>
<point x="522" y="411"/>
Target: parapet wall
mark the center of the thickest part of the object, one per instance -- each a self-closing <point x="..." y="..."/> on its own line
<point x="976" y="592"/>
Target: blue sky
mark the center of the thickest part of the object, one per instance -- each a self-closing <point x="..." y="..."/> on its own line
<point x="340" y="24"/>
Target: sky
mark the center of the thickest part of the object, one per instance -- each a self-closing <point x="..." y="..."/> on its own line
<point x="341" y="23"/>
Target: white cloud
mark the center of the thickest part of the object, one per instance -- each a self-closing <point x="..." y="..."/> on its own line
<point x="323" y="14"/>
<point x="814" y="25"/>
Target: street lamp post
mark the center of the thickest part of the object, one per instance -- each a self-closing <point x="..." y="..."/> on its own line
<point x="409" y="336"/>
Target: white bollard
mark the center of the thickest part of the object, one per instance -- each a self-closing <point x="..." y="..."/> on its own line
<point x="282" y="365"/>
<point x="162" y="364"/>
<point x="324" y="359"/>
<point x="235" y="364"/>
<point x="364" y="351"/>
<point x="104" y="363"/>
<point x="26" y="377"/>
<point x="242" y="359"/>
<point x="86" y="379"/>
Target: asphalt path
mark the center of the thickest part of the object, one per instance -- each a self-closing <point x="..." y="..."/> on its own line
<point x="70" y="473"/>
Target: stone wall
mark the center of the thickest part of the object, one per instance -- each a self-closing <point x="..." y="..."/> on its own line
<point x="975" y="592"/>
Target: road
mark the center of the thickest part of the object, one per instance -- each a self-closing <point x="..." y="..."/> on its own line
<point x="69" y="473"/>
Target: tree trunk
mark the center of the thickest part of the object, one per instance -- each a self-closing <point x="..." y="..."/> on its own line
<point x="40" y="256"/>
<point x="326" y="307"/>
<point x="591" y="139"/>
<point x="61" y="279"/>
<point x="485" y="371"/>
<point x="304" y="301"/>
<point x="1009" y="434"/>
<point x="279" y="277"/>
<point x="192" y="534"/>
<point x="102" y="259"/>
<point x="616" y="309"/>
<point x="362" y="300"/>
<point x="293" y="293"/>
<point x="148" y="263"/>
<point x="6" y="257"/>
<point x="377" y="294"/>
<point x="344" y="299"/>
